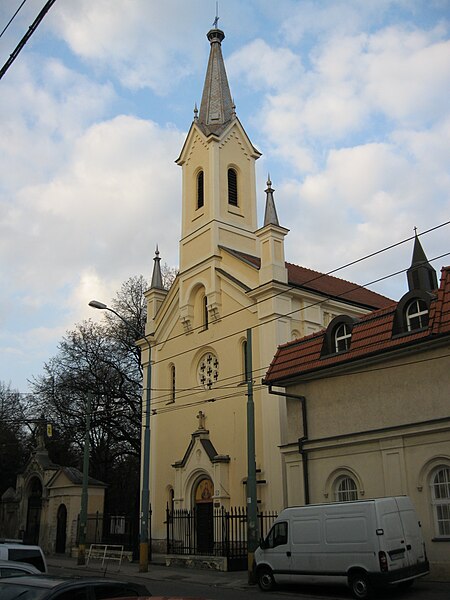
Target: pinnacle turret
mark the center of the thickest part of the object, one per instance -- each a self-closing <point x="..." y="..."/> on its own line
<point x="270" y="215"/>
<point x="157" y="282"/>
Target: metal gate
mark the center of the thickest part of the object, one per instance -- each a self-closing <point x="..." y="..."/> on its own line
<point x="228" y="537"/>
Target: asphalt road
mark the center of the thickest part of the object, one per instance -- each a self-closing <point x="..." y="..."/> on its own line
<point x="168" y="581"/>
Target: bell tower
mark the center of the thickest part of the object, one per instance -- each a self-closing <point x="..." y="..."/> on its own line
<point x="218" y="162"/>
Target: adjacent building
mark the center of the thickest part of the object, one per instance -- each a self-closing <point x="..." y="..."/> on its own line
<point x="368" y="407"/>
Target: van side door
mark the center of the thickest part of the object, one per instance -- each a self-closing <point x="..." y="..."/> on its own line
<point x="277" y="551"/>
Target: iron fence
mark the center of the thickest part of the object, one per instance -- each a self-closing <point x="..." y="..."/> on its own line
<point x="213" y="532"/>
<point x="111" y="529"/>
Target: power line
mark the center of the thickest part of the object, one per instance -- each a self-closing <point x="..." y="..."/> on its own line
<point x="317" y="303"/>
<point x="26" y="37"/>
<point x="12" y="18"/>
<point x="320" y="276"/>
<point x="198" y="389"/>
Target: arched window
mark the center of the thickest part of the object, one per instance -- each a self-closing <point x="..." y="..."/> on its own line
<point x="245" y="360"/>
<point x="200" y="189"/>
<point x="345" y="489"/>
<point x="205" y="313"/>
<point x="440" y="494"/>
<point x="232" y="187"/>
<point x="173" y="381"/>
<point x="338" y="335"/>
<point x="342" y="337"/>
<point x="416" y="314"/>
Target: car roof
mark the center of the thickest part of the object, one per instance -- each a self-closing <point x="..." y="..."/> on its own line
<point x="52" y="581"/>
<point x="17" y="564"/>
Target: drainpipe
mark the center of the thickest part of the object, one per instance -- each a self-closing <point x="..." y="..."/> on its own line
<point x="302" y="440"/>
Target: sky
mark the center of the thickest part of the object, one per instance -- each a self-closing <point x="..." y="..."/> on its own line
<point x="348" y="101"/>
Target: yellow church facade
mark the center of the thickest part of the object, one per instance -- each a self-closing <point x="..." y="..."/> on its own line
<point x="233" y="277"/>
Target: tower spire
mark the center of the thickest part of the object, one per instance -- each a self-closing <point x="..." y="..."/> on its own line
<point x="421" y="275"/>
<point x="217" y="106"/>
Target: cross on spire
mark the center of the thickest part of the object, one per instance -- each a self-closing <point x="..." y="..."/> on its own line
<point x="216" y="20"/>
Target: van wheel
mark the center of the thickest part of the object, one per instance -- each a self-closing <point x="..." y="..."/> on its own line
<point x="360" y="586"/>
<point x="266" y="580"/>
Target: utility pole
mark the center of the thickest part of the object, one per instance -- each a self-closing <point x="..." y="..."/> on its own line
<point x="84" y="492"/>
<point x="252" y="509"/>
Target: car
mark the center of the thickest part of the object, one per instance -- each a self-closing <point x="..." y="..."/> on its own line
<point x="48" y="587"/>
<point x="11" y="568"/>
<point x="15" y="550"/>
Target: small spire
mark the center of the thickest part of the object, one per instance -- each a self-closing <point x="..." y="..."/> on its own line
<point x="421" y="275"/>
<point x="270" y="215"/>
<point x="195" y="112"/>
<point x="157" y="277"/>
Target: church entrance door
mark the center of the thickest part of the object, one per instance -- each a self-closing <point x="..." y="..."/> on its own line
<point x="204" y="516"/>
<point x="61" y="526"/>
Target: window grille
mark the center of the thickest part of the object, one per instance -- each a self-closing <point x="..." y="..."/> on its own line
<point x="346" y="490"/>
<point x="342" y="337"/>
<point x="416" y="315"/>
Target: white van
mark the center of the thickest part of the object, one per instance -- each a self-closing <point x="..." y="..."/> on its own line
<point x="366" y="544"/>
<point x="18" y="552"/>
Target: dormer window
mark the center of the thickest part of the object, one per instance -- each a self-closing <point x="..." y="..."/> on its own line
<point x="416" y="314"/>
<point x="338" y="335"/>
<point x="342" y="337"/>
<point x="232" y="187"/>
<point x="200" y="189"/>
<point x="412" y="312"/>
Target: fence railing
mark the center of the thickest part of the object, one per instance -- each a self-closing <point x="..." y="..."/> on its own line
<point x="214" y="532"/>
<point x="111" y="529"/>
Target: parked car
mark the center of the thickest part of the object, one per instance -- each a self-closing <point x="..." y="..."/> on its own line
<point x="11" y="568"/>
<point x="47" y="587"/>
<point x="23" y="553"/>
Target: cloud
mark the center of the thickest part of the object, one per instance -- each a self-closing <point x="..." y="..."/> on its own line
<point x="92" y="210"/>
<point x="141" y="43"/>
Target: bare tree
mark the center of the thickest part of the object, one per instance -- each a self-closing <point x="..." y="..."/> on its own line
<point x="103" y="361"/>
<point x="14" y="436"/>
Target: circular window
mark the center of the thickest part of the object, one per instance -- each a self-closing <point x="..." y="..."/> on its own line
<point x="208" y="370"/>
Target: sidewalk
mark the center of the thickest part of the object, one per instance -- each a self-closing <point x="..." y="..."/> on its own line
<point x="157" y="570"/>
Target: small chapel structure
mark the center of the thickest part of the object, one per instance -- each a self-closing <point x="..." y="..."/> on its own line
<point x="233" y="277"/>
<point x="43" y="509"/>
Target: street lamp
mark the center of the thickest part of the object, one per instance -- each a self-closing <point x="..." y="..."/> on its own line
<point x="144" y="548"/>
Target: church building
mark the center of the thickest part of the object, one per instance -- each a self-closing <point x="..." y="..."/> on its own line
<point x="233" y="277"/>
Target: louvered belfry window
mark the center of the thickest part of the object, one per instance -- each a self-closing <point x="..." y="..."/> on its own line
<point x="232" y="187"/>
<point x="200" y="190"/>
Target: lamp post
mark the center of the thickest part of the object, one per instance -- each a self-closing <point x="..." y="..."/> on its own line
<point x="144" y="548"/>
<point x="84" y="490"/>
<point x="252" y="511"/>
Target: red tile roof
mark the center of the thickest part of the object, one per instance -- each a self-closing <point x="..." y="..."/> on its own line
<point x="371" y="335"/>
<point x="316" y="282"/>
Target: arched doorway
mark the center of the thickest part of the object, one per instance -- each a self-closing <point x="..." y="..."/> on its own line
<point x="61" y="526"/>
<point x="203" y="498"/>
<point x="33" y="511"/>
